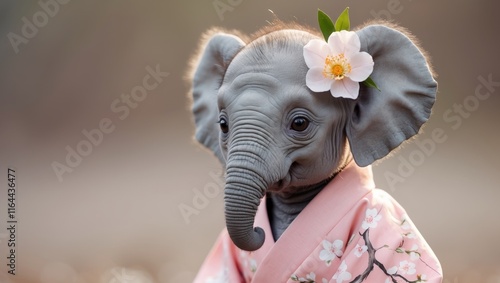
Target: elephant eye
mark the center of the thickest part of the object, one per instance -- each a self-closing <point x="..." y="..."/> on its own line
<point x="224" y="126"/>
<point x="299" y="124"/>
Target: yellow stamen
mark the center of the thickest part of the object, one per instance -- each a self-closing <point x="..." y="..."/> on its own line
<point x="337" y="70"/>
<point x="336" y="67"/>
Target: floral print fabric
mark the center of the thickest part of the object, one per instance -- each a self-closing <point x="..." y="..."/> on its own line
<point x="351" y="232"/>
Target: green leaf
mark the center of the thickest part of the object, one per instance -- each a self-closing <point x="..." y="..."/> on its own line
<point x="325" y="24"/>
<point x="343" y="22"/>
<point x="370" y="83"/>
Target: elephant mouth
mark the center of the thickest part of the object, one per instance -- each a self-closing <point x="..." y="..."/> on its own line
<point x="288" y="183"/>
<point x="281" y="185"/>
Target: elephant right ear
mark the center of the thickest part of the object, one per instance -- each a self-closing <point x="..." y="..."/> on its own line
<point x="207" y="72"/>
<point x="384" y="119"/>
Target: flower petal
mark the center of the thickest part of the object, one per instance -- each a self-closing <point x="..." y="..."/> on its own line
<point x="344" y="42"/>
<point x="326" y="256"/>
<point x="371" y="212"/>
<point x="311" y="276"/>
<point x="315" y="52"/>
<point x="392" y="270"/>
<point x="338" y="244"/>
<point x="326" y="244"/>
<point x="345" y="276"/>
<point x="361" y="66"/>
<point x="345" y="88"/>
<point x="316" y="81"/>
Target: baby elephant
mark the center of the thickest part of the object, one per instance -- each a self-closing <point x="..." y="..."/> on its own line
<point x="300" y="201"/>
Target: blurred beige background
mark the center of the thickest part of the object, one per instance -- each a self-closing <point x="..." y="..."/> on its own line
<point x="116" y="216"/>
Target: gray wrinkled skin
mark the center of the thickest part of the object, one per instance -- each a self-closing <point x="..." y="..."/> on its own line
<point x="260" y="97"/>
<point x="257" y="89"/>
<point x="262" y="93"/>
<point x="284" y="209"/>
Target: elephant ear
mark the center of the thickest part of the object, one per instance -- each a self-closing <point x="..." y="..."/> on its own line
<point x="207" y="72"/>
<point x="382" y="120"/>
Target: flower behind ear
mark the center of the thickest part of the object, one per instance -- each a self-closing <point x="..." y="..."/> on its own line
<point x="338" y="65"/>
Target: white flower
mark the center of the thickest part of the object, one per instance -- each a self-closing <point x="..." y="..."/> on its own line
<point x="342" y="274"/>
<point x="406" y="267"/>
<point x="405" y="224"/>
<point x="338" y="65"/>
<point x="311" y="276"/>
<point x="371" y="218"/>
<point x="331" y="251"/>
<point x="422" y="278"/>
<point x="392" y="270"/>
<point x="360" y="250"/>
<point x="414" y="254"/>
<point x="253" y="265"/>
<point x="410" y="235"/>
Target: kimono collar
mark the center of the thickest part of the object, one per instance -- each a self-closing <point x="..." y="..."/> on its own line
<point x="329" y="206"/>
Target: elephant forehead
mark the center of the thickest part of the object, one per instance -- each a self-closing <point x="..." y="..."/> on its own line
<point x="277" y="77"/>
<point x="256" y="89"/>
<point x="279" y="54"/>
<point x="262" y="89"/>
<point x="259" y="81"/>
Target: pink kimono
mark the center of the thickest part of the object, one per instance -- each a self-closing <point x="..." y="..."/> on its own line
<point x="350" y="232"/>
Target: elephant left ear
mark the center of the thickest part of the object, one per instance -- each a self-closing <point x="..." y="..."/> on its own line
<point x="218" y="48"/>
<point x="382" y="120"/>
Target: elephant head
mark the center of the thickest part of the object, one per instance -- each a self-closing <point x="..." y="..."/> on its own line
<point x="252" y="108"/>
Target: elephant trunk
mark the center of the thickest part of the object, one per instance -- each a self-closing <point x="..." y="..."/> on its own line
<point x="244" y="189"/>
